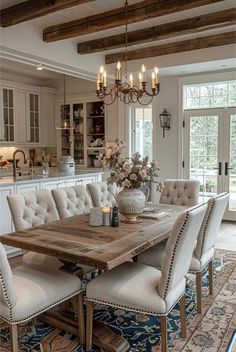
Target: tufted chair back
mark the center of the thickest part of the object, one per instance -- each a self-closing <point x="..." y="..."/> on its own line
<point x="7" y="291"/>
<point x="211" y="224"/>
<point x="32" y="209"/>
<point x="114" y="189"/>
<point x="72" y="201"/>
<point x="180" y="192"/>
<point x="101" y="197"/>
<point x="179" y="250"/>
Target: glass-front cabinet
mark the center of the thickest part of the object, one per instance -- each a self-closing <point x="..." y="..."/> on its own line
<point x="7" y="112"/>
<point x="81" y="131"/>
<point x="34" y="117"/>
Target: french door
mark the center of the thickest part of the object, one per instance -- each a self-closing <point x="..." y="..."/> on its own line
<point x="210" y="153"/>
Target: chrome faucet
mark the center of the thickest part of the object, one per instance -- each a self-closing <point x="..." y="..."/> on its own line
<point x="14" y="161"/>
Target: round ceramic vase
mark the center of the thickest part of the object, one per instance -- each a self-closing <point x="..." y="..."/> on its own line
<point x="131" y="203"/>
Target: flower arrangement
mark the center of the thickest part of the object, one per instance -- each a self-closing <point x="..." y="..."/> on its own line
<point x="112" y="153"/>
<point x="135" y="172"/>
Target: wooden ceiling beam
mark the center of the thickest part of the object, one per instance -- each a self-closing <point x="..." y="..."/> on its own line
<point x="176" y="47"/>
<point x="28" y="10"/>
<point x="168" y="30"/>
<point x="137" y="12"/>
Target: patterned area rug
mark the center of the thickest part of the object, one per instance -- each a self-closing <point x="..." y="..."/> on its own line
<point x="209" y="332"/>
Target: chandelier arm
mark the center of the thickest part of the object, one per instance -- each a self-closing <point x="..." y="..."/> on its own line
<point x="144" y="104"/>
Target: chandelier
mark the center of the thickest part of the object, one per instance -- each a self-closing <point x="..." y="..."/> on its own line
<point x="127" y="92"/>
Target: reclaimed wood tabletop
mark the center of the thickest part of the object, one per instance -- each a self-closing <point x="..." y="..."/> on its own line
<point x="104" y="247"/>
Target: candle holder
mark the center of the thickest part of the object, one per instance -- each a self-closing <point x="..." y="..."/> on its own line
<point x="106" y="216"/>
<point x="96" y="217"/>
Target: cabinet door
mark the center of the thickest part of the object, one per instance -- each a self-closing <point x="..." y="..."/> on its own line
<point x="7" y="115"/>
<point x="51" y="184"/>
<point x="21" y="118"/>
<point x="34" y="117"/>
<point x="69" y="183"/>
<point x="27" y="187"/>
<point x="6" y="225"/>
<point x="88" y="179"/>
<point x="48" y="116"/>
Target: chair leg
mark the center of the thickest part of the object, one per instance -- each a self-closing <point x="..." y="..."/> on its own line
<point x="182" y="316"/>
<point x="89" y="326"/>
<point x="199" y="292"/>
<point x="163" y="333"/>
<point x="14" y="338"/>
<point x="210" y="269"/>
<point x="79" y="306"/>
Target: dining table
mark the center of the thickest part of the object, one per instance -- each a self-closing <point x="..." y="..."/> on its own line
<point x="74" y="240"/>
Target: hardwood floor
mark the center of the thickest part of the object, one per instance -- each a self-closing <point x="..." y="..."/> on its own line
<point x="227" y="236"/>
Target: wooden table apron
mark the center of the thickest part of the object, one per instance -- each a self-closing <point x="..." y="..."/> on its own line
<point x="105" y="247"/>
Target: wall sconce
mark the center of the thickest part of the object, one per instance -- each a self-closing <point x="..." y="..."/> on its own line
<point x="165" y="120"/>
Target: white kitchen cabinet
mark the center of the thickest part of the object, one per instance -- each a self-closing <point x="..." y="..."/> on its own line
<point x="47" y="117"/>
<point x="51" y="184"/>
<point x="27" y="187"/>
<point x="7" y="114"/>
<point x="5" y="215"/>
<point x="27" y="117"/>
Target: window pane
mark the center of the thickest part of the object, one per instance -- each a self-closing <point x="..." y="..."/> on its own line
<point x="232" y="100"/>
<point x="31" y="119"/>
<point x="5" y="116"/>
<point x="10" y="98"/>
<point x="36" y="102"/>
<point x="11" y="117"/>
<point x="220" y="89"/>
<point x="36" y="119"/>
<point x="206" y="90"/>
<point x="11" y="133"/>
<point x="142" y="136"/>
<point x="232" y="88"/>
<point x="5" y="98"/>
<point x="36" y="135"/>
<point x="31" y="102"/>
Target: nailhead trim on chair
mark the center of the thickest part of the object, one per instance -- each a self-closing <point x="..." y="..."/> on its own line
<point x="205" y="228"/>
<point x="40" y="311"/>
<point x="5" y="294"/>
<point x="173" y="254"/>
<point x="142" y="311"/>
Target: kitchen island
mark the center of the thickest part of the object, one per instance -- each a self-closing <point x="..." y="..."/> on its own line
<point x="55" y="179"/>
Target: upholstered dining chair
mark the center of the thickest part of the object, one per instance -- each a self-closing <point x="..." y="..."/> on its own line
<point x="72" y="201"/>
<point x="203" y="253"/>
<point x="101" y="196"/>
<point x="27" y="291"/>
<point x="37" y="208"/>
<point x="180" y="192"/>
<point x="146" y="290"/>
<point x="31" y="209"/>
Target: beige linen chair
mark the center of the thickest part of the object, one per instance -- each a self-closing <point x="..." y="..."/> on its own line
<point x="101" y="196"/>
<point x="27" y="291"/>
<point x="180" y="192"/>
<point x="37" y="208"/>
<point x="72" y="201"/>
<point x="146" y="290"/>
<point x="31" y="209"/>
<point x="203" y="253"/>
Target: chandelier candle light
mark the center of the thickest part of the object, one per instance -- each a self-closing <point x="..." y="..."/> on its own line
<point x="127" y="92"/>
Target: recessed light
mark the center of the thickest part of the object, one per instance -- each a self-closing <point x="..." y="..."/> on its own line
<point x="224" y="65"/>
<point x="39" y="67"/>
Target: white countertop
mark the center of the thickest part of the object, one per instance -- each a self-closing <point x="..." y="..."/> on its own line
<point x="54" y="174"/>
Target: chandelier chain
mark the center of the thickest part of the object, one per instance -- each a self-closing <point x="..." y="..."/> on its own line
<point x="127" y="92"/>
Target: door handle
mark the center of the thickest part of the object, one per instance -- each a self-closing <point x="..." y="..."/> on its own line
<point x="219" y="168"/>
<point x="227" y="168"/>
